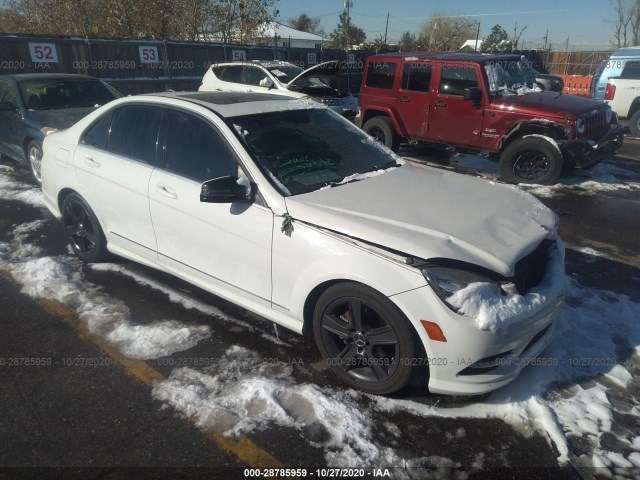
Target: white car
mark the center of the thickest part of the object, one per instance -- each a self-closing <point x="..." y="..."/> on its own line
<point x="320" y="82"/>
<point x="290" y="211"/>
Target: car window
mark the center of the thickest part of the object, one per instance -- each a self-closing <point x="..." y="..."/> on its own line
<point x="51" y="93"/>
<point x="196" y="150"/>
<point x="8" y="93"/>
<point x="631" y="70"/>
<point x="253" y="76"/>
<point x="454" y="80"/>
<point x="98" y="133"/>
<point x="416" y="77"/>
<point x="285" y="73"/>
<point x="230" y="73"/>
<point x="134" y="132"/>
<point x="381" y="74"/>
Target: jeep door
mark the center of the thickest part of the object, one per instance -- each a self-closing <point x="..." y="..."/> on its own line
<point x="455" y="120"/>
<point x="414" y="98"/>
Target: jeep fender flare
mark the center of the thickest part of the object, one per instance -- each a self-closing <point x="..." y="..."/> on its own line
<point x="376" y="110"/>
<point x="546" y="128"/>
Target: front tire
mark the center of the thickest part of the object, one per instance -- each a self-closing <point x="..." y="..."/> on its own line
<point x="533" y="159"/>
<point x="381" y="129"/>
<point x="364" y="338"/>
<point x="83" y="230"/>
<point x="634" y="124"/>
<point x="34" y="157"/>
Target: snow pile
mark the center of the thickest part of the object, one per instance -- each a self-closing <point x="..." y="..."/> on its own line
<point x="60" y="279"/>
<point x="242" y="393"/>
<point x="492" y="310"/>
<point x="11" y="189"/>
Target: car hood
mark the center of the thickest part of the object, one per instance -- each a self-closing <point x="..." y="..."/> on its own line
<point x="325" y="70"/>
<point x="553" y="104"/>
<point x="430" y="213"/>
<point x="59" y="118"/>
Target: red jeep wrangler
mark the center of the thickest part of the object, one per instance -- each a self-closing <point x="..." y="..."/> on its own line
<point x="485" y="104"/>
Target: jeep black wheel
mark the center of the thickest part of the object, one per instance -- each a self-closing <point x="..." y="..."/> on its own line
<point x="534" y="159"/>
<point x="364" y="338"/>
<point x="381" y="129"/>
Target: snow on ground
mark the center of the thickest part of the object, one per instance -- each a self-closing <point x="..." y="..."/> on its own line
<point x="178" y="297"/>
<point x="601" y="178"/>
<point x="60" y="279"/>
<point x="11" y="189"/>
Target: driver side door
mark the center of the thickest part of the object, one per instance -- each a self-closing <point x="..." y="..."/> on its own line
<point x="216" y="245"/>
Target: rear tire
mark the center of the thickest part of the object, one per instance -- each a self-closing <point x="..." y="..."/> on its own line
<point x="83" y="230"/>
<point x="634" y="124"/>
<point x="531" y="159"/>
<point x="381" y="129"/>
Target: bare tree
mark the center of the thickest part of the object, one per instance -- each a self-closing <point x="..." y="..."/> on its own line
<point x="443" y="33"/>
<point x="626" y="26"/>
<point x="515" y="39"/>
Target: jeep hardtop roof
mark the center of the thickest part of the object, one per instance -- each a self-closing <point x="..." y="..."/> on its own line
<point x="453" y="56"/>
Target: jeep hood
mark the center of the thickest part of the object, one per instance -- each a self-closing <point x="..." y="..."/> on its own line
<point x="551" y="104"/>
<point x="430" y="213"/>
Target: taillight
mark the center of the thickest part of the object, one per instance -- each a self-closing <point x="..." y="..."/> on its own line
<point x="610" y="92"/>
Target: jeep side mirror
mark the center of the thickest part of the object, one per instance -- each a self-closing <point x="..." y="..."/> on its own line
<point x="266" y="82"/>
<point x="226" y="190"/>
<point x="473" y="93"/>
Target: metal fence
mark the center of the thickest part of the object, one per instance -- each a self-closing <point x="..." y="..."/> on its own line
<point x="142" y="66"/>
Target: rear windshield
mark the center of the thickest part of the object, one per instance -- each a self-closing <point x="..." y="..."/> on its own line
<point x="48" y="94"/>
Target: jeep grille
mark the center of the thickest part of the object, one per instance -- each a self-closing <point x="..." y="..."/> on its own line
<point x="596" y="124"/>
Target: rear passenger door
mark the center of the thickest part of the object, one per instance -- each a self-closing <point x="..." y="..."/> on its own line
<point x="414" y="98"/>
<point x="455" y="120"/>
<point x="114" y="161"/>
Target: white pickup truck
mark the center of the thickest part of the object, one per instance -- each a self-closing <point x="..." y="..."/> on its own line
<point x="623" y="96"/>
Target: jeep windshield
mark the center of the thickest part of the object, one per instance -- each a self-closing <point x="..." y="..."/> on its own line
<point x="304" y="150"/>
<point x="511" y="77"/>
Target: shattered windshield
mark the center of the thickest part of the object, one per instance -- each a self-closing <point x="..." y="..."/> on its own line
<point x="305" y="150"/>
<point x="512" y="77"/>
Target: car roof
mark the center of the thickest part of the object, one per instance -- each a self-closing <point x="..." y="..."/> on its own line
<point x="262" y="63"/>
<point x="232" y="104"/>
<point x="19" y="77"/>
<point x="457" y="56"/>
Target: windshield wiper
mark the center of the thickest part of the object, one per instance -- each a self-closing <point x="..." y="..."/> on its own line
<point x="357" y="176"/>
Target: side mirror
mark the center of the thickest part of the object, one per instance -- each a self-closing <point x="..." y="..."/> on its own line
<point x="473" y="93"/>
<point x="7" y="107"/>
<point x="266" y="82"/>
<point x="226" y="190"/>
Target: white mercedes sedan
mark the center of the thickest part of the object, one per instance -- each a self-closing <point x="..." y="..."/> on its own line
<point x="288" y="210"/>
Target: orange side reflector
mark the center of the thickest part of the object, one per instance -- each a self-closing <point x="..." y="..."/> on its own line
<point x="434" y="331"/>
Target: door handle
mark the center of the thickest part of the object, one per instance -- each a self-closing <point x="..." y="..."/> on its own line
<point x="440" y="104"/>
<point x="167" y="192"/>
<point x="91" y="162"/>
<point x="404" y="99"/>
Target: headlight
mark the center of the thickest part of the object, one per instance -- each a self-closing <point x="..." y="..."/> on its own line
<point x="609" y="115"/>
<point x="447" y="281"/>
<point x="580" y="125"/>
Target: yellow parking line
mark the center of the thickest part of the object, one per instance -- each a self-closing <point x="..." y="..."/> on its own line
<point x="243" y="448"/>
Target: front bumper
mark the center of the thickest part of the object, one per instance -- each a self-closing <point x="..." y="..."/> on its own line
<point x="451" y="363"/>
<point x="588" y="153"/>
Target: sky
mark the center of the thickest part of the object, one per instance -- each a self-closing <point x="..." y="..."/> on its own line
<point x="583" y="22"/>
